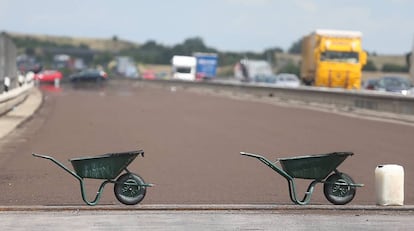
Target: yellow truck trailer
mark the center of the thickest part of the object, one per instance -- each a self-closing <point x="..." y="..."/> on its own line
<point x="333" y="58"/>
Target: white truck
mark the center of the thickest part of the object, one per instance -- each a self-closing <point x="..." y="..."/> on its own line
<point x="184" y="67"/>
<point x="126" y="67"/>
<point x="249" y="70"/>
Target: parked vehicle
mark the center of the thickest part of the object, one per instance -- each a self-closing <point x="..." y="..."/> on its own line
<point x="48" y="76"/>
<point x="89" y="75"/>
<point x="333" y="58"/>
<point x="395" y="84"/>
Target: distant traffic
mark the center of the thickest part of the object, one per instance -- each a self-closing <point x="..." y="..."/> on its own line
<point x="329" y="59"/>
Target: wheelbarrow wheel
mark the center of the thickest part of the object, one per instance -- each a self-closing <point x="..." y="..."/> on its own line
<point x="129" y="190"/>
<point x="337" y="189"/>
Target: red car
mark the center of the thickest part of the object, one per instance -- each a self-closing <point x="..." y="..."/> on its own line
<point x="149" y="74"/>
<point x="48" y="76"/>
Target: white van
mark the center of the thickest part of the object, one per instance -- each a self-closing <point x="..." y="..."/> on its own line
<point x="184" y="67"/>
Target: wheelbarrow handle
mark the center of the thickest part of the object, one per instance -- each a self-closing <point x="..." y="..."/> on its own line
<point x="59" y="164"/>
<point x="251" y="155"/>
<point x="269" y="163"/>
<point x="42" y="156"/>
<point x="261" y="158"/>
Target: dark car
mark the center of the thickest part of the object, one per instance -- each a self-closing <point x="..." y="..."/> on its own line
<point x="89" y="75"/>
<point x="370" y="84"/>
<point x="395" y="84"/>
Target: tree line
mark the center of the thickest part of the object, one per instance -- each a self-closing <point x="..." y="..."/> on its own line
<point x="150" y="52"/>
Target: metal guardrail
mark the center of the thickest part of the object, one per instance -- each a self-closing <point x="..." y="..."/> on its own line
<point x="371" y="102"/>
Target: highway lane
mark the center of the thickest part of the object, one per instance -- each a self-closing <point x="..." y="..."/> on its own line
<point x="192" y="143"/>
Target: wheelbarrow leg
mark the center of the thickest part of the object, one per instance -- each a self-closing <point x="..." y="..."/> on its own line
<point x="306" y="197"/>
<point x="98" y="194"/>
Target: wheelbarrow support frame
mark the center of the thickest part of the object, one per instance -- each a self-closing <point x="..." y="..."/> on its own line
<point x="290" y="180"/>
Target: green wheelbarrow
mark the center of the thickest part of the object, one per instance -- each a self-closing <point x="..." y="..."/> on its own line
<point x="129" y="188"/>
<point x="338" y="188"/>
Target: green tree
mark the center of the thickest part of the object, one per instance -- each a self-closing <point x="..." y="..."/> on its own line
<point x="30" y="51"/>
<point x="195" y="44"/>
<point x="269" y="54"/>
<point x="389" y="67"/>
<point x="370" y="66"/>
<point x="290" y="68"/>
<point x="191" y="45"/>
<point x="151" y="52"/>
<point x="83" y="46"/>
<point x="102" y="58"/>
<point x="296" y="47"/>
<point x="229" y="58"/>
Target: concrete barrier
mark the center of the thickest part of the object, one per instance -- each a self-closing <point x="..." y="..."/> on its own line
<point x="13" y="97"/>
<point x="370" y="103"/>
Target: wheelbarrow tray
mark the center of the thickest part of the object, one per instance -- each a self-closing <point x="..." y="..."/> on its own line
<point x="106" y="166"/>
<point x="316" y="167"/>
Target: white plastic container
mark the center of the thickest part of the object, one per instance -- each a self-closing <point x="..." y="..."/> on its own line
<point x="389" y="184"/>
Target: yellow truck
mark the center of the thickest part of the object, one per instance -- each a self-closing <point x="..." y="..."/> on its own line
<point x="333" y="58"/>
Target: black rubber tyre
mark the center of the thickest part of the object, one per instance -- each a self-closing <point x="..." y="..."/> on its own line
<point x="339" y="194"/>
<point x="128" y="190"/>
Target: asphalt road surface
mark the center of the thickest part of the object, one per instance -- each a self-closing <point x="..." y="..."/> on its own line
<point x="192" y="142"/>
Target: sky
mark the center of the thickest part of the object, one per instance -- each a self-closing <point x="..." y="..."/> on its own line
<point x="227" y="25"/>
